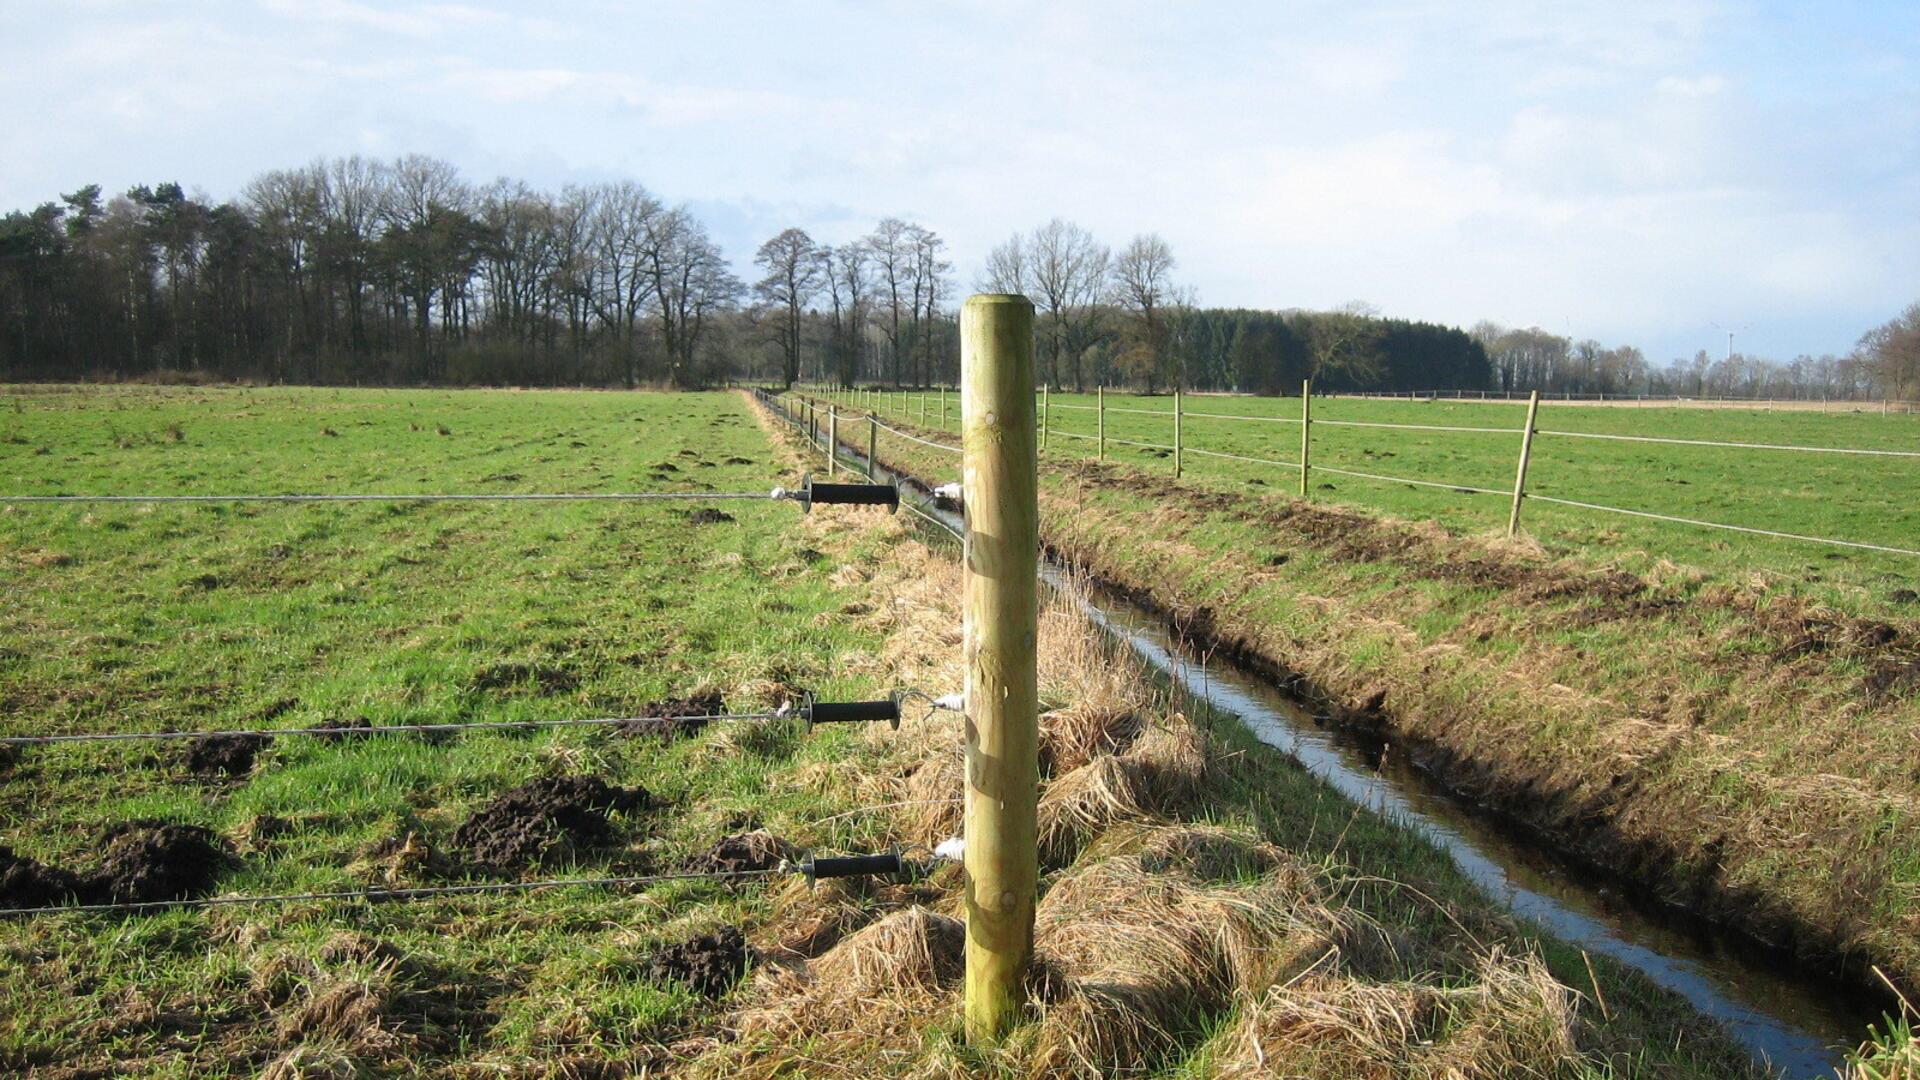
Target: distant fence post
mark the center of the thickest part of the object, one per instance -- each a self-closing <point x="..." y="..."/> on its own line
<point x="1001" y="497"/>
<point x="1176" y="432"/>
<point x="1100" y="411"/>
<point x="1520" y="477"/>
<point x="833" y="439"/>
<point x="943" y="408"/>
<point x="1306" y="425"/>
<point x="1046" y="416"/>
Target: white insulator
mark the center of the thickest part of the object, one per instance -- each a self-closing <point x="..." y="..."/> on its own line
<point x="948" y="491"/>
<point x="951" y="703"/>
<point x="951" y="850"/>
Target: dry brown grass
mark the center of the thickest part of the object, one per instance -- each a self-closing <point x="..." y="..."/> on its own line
<point x="1151" y="931"/>
<point x="1512" y="1020"/>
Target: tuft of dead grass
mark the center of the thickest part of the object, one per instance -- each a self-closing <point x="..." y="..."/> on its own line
<point x="1513" y="1019"/>
<point x="1134" y="961"/>
<point x="864" y="1005"/>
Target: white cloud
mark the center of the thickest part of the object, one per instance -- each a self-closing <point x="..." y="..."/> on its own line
<point x="1611" y="167"/>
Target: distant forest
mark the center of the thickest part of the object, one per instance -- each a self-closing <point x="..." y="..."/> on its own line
<point x="404" y="273"/>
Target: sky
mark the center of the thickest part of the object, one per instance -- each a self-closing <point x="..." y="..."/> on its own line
<point x="1647" y="172"/>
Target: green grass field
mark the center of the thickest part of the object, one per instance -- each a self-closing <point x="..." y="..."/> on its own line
<point x="1865" y="499"/>
<point x="127" y="618"/>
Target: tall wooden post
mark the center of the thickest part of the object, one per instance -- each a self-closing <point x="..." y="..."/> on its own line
<point x="1520" y="477"/>
<point x="833" y="439"/>
<point x="1046" y="416"/>
<point x="873" y="444"/>
<point x="1100" y="411"/>
<point x="1306" y="425"/>
<point x="1001" y="496"/>
<point x="1176" y="433"/>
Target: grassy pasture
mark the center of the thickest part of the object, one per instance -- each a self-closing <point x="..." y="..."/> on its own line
<point x="131" y="618"/>
<point x="123" y="618"/>
<point x="1866" y="499"/>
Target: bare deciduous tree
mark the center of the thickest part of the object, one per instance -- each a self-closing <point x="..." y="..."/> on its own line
<point x="792" y="263"/>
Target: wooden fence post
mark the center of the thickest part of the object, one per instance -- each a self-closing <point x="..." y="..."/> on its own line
<point x="1176" y="433"/>
<point x="833" y="439"/>
<point x="873" y="444"/>
<point x="943" y="408"/>
<point x="1046" y="416"/>
<point x="1100" y="409"/>
<point x="1001" y="497"/>
<point x="1306" y="425"/>
<point x="1520" y="477"/>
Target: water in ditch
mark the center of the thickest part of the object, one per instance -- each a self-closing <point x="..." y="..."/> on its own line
<point x="1799" y="1025"/>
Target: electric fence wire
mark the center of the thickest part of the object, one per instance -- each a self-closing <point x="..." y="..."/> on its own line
<point x="382" y="895"/>
<point x="1718" y="525"/>
<point x="624" y="496"/>
<point x="386" y="729"/>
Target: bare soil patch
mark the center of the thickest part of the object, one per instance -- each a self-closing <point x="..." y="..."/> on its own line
<point x="744" y="853"/>
<point x="708" y="964"/>
<point x="544" y="820"/>
<point x="675" y="718"/>
<point x="225" y="755"/>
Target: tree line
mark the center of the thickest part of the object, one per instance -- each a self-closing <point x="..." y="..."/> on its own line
<point x="1885" y="362"/>
<point x="359" y="271"/>
<point x="402" y="272"/>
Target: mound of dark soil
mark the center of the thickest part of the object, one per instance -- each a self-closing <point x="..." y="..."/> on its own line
<point x="674" y="718"/>
<point x="545" y="819"/>
<point x="337" y="728"/>
<point x="547" y="680"/>
<point x="709" y="964"/>
<point x="707" y="515"/>
<point x="757" y="850"/>
<point x="29" y="883"/>
<point x="225" y="755"/>
<point x="147" y="861"/>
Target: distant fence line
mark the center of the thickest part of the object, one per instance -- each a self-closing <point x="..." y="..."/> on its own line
<point x="1706" y="401"/>
<point x="932" y="409"/>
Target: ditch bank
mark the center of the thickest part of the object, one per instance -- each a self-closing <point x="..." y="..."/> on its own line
<point x="1790" y="997"/>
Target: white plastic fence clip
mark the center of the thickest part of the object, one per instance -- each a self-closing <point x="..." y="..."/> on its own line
<point x="951" y="703"/>
<point x="952" y="850"/>
<point x="948" y="496"/>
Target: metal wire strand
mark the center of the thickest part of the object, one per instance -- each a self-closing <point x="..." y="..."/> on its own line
<point x="1417" y="427"/>
<point x="372" y="895"/>
<point x="1729" y="445"/>
<point x="1142" y="445"/>
<point x="956" y="533"/>
<point x="1404" y="480"/>
<point x="1718" y="525"/>
<point x="915" y="438"/>
<point x="1242" y="457"/>
<point x="385" y="729"/>
<point x="1231" y="416"/>
<point x="625" y="496"/>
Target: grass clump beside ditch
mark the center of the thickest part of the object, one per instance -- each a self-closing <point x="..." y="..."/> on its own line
<point x="1734" y="741"/>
